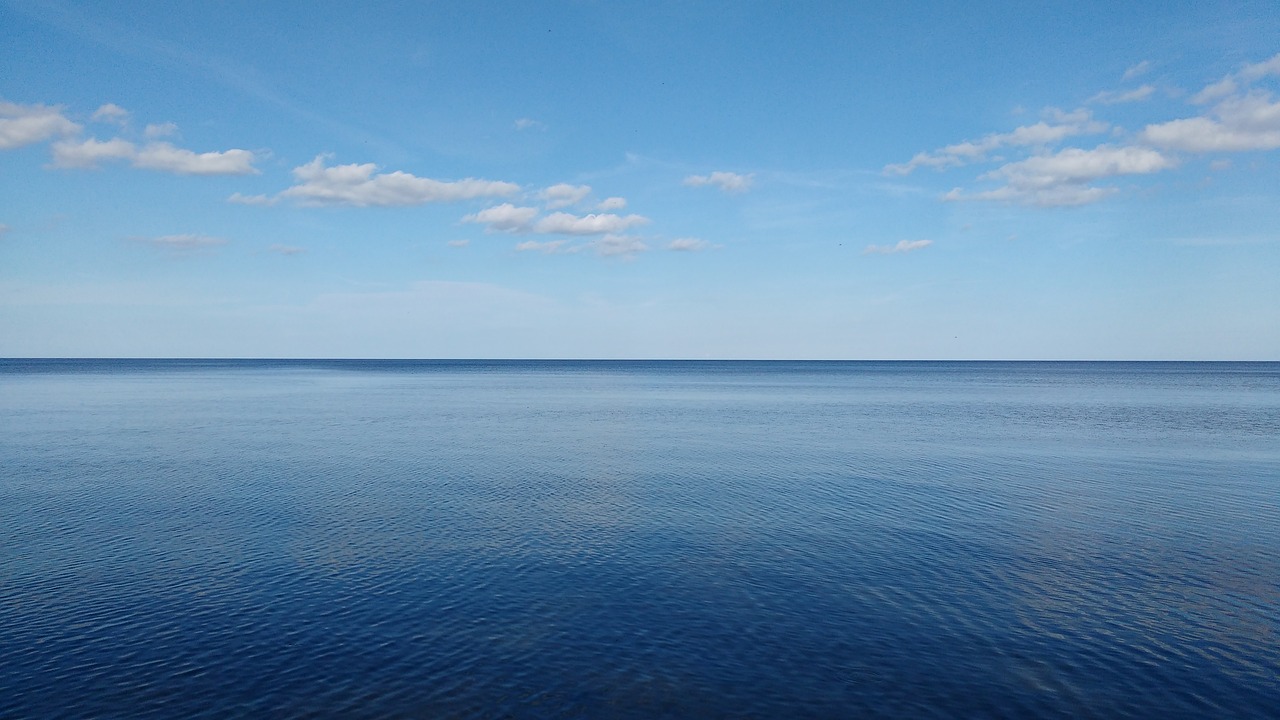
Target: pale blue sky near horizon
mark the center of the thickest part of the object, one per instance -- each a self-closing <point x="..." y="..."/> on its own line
<point x="826" y="180"/>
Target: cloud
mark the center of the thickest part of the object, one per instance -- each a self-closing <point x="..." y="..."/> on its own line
<point x="240" y="199"/>
<point x="167" y="158"/>
<point x="154" y="156"/>
<point x="617" y="246"/>
<point x="1062" y="178"/>
<point x="157" y="130"/>
<point x="529" y="123"/>
<point x="504" y="218"/>
<point x="1062" y="125"/>
<point x="564" y="195"/>
<point x="27" y="124"/>
<point x="4" y="229"/>
<point x="726" y="181"/>
<point x="548" y="247"/>
<point x="186" y="243"/>
<point x="1108" y="97"/>
<point x="459" y="243"/>
<point x="612" y="203"/>
<point x="1137" y="70"/>
<point x="363" y="186"/>
<point x="286" y="249"/>
<point x="111" y="113"/>
<point x="903" y="246"/>
<point x="593" y="224"/>
<point x="88" y="153"/>
<point x="1234" y="82"/>
<point x="688" y="245"/>
<point x="1238" y="124"/>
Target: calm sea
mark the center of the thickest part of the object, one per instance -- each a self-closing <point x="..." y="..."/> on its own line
<point x="281" y="539"/>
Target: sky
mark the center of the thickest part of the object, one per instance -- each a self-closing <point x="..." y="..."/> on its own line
<point x="740" y="179"/>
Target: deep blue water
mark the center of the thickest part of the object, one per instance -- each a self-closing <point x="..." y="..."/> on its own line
<point x="639" y="539"/>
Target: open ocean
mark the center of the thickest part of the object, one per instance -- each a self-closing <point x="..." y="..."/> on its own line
<point x="543" y="539"/>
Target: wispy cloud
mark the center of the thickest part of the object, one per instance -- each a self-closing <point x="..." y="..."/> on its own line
<point x="612" y="203"/>
<point x="727" y="181"/>
<point x="1116" y="97"/>
<point x="158" y="130"/>
<point x="525" y="123"/>
<point x="902" y="246"/>
<point x="564" y="195"/>
<point x="185" y="244"/>
<point x="286" y="249"/>
<point x="240" y="199"/>
<point x="459" y="243"/>
<point x="1059" y="126"/>
<point x="1137" y="70"/>
<point x="363" y="186"/>
<point x="28" y="124"/>
<point x="688" y="244"/>
<point x="1236" y="124"/>
<point x="592" y="224"/>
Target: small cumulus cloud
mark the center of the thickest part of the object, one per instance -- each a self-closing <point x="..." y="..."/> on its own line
<point x="617" y="246"/>
<point x="363" y="186"/>
<point x="159" y="156"/>
<point x="612" y="203"/>
<point x="727" y="181"/>
<point x="902" y="246"/>
<point x="504" y="218"/>
<point x="564" y="195"/>
<point x="1062" y="178"/>
<point x="111" y="113"/>
<point x="28" y="124"/>
<point x="286" y="249"/>
<point x="593" y="224"/>
<point x="88" y="153"/>
<point x="688" y="244"/>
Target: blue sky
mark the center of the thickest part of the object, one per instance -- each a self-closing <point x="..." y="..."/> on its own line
<point x="640" y="180"/>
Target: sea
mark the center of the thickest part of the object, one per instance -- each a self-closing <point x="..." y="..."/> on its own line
<point x="675" y="539"/>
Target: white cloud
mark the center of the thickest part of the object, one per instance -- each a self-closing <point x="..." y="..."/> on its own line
<point x="88" y="153"/>
<point x="548" y="247"/>
<point x="1234" y="82"/>
<point x="1062" y="125"/>
<point x="167" y="158"/>
<point x="1109" y="97"/>
<point x="688" y="245"/>
<point x="504" y="218"/>
<point x="240" y="199"/>
<point x="157" y="130"/>
<point x="26" y="124"/>
<point x="903" y="246"/>
<point x="617" y="245"/>
<point x="111" y="113"/>
<point x="363" y="186"/>
<point x="727" y="181"/>
<point x="1251" y="122"/>
<point x="1137" y="70"/>
<point x="286" y="249"/>
<point x="155" y="156"/>
<point x="459" y="243"/>
<point x="529" y="123"/>
<point x="593" y="224"/>
<point x="612" y="203"/>
<point x="564" y="195"/>
<point x="1062" y="178"/>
